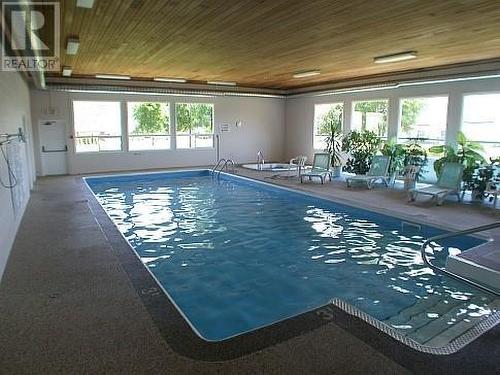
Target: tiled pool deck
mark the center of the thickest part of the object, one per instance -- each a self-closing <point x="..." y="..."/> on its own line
<point x="68" y="304"/>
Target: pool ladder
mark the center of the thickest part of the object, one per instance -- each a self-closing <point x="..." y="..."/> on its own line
<point x="222" y="164"/>
<point x="453" y="234"/>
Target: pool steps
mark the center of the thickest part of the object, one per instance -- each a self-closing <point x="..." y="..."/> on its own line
<point x="426" y="330"/>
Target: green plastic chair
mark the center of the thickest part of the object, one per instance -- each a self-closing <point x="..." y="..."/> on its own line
<point x="320" y="168"/>
<point x="379" y="171"/>
<point x="449" y="182"/>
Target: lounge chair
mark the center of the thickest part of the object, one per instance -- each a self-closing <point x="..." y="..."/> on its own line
<point x="297" y="164"/>
<point x="449" y="182"/>
<point x="320" y="168"/>
<point x="379" y="171"/>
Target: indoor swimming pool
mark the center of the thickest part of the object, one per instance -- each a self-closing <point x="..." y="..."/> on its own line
<point x="235" y="255"/>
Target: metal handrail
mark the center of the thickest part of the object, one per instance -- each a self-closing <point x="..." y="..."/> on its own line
<point x="454" y="234"/>
<point x="225" y="166"/>
<point x="216" y="172"/>
<point x="217" y="164"/>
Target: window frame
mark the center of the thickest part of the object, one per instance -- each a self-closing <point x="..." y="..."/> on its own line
<point x="314" y="135"/>
<point x="122" y="136"/>
<point x="476" y="93"/>
<point x="400" y="117"/>
<point x="378" y="99"/>
<point x="128" y="134"/>
<point x="174" y="130"/>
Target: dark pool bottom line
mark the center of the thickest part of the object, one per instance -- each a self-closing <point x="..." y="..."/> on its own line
<point x="181" y="337"/>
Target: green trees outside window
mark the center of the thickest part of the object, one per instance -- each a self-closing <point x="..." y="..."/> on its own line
<point x="194" y="125"/>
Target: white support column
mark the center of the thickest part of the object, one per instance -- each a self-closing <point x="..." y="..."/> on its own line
<point x="173" y="126"/>
<point x="393" y="117"/>
<point x="454" y="118"/>
<point x="347" y="125"/>
<point x="124" y="119"/>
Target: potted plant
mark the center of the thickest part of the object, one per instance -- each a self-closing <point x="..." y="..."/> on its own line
<point x="361" y="147"/>
<point x="468" y="153"/>
<point x="416" y="155"/>
<point x="334" y="143"/>
<point x="482" y="176"/>
<point x="397" y="153"/>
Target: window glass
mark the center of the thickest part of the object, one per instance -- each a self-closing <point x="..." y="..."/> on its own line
<point x="194" y="125"/>
<point x="148" y="126"/>
<point x="324" y="115"/>
<point x="97" y="126"/>
<point x="481" y="122"/>
<point x="371" y="115"/>
<point x="424" y="119"/>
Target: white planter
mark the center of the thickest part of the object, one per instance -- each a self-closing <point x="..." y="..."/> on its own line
<point x="335" y="171"/>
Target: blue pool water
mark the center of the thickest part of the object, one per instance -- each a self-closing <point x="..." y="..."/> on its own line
<point x="236" y="255"/>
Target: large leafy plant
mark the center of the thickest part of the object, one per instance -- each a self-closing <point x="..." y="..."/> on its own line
<point x="333" y="140"/>
<point x="482" y="176"/>
<point x="361" y="147"/>
<point x="397" y="153"/>
<point x="466" y="152"/>
<point x="403" y="154"/>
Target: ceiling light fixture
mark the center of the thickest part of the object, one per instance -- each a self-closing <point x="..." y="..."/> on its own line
<point x="173" y="80"/>
<point x="395" y="57"/>
<point x="85" y="4"/>
<point x="66" y="71"/>
<point x="222" y="83"/>
<point x="72" y="46"/>
<point x="307" y="73"/>
<point x="111" y="76"/>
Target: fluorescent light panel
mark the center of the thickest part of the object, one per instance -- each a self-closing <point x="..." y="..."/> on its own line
<point x="66" y="71"/>
<point x="72" y="46"/>
<point x="307" y="73"/>
<point x="166" y="79"/>
<point x="111" y="76"/>
<point x="85" y="4"/>
<point x="222" y="83"/>
<point x="395" y="57"/>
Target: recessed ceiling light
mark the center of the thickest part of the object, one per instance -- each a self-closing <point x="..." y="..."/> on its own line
<point x="166" y="79"/>
<point x="307" y="73"/>
<point x="111" y="76"/>
<point x="72" y="46"/>
<point x="395" y="57"/>
<point x="222" y="83"/>
<point x="66" y="71"/>
<point x="85" y="3"/>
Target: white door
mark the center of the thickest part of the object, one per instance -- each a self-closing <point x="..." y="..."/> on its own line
<point x="54" y="147"/>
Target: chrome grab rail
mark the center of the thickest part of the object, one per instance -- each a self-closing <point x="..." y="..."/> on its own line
<point x="217" y="164"/>
<point x="217" y="172"/>
<point x="260" y="160"/>
<point x="228" y="161"/>
<point x="451" y="274"/>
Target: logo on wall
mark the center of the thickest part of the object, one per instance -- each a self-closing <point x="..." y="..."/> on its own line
<point x="30" y="36"/>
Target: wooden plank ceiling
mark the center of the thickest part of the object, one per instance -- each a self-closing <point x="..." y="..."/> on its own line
<point x="261" y="43"/>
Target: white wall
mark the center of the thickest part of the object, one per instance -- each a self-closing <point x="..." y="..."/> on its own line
<point x="14" y="110"/>
<point x="263" y="129"/>
<point x="299" y="115"/>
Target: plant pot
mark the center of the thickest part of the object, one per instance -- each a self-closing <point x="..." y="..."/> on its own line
<point x="335" y="171"/>
<point x="409" y="183"/>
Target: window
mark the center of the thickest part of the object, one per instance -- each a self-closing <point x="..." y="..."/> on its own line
<point x="371" y="115"/>
<point x="481" y="122"/>
<point x="97" y="126"/>
<point x="194" y="125"/>
<point x="148" y="126"/>
<point x="326" y="115"/>
<point x="424" y="119"/>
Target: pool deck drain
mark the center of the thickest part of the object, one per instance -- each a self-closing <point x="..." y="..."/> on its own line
<point x="98" y="322"/>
